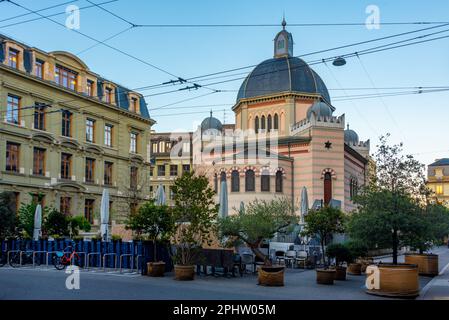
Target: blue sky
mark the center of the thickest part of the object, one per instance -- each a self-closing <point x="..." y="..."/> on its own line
<point x="420" y="121"/>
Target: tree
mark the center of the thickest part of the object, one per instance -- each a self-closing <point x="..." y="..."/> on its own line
<point x="340" y="252"/>
<point x="157" y="222"/>
<point x="78" y="223"/>
<point x="389" y="207"/>
<point x="56" y="223"/>
<point x="323" y="222"/>
<point x="260" y="220"/>
<point x="7" y="215"/>
<point x="195" y="212"/>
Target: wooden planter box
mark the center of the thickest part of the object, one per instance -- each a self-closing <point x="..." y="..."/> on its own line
<point x="184" y="273"/>
<point x="355" y="269"/>
<point x="427" y="263"/>
<point x="325" y="276"/>
<point x="340" y="273"/>
<point x="397" y="281"/>
<point x="156" y="269"/>
<point x="271" y="276"/>
<point x="365" y="262"/>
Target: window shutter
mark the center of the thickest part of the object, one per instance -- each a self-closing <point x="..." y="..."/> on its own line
<point x="27" y="60"/>
<point x="100" y="89"/>
<point x="2" y="52"/>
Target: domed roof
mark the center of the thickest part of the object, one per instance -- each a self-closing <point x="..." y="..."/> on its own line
<point x="320" y="109"/>
<point x="351" y="137"/>
<point x="211" y="123"/>
<point x="282" y="74"/>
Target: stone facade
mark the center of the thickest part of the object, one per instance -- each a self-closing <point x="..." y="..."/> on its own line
<point x="67" y="133"/>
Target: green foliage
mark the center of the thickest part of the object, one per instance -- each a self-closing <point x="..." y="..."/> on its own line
<point x="26" y="218"/>
<point x="340" y="252"/>
<point x="78" y="223"/>
<point x="56" y="223"/>
<point x="155" y="222"/>
<point x="195" y="212"/>
<point x="260" y="221"/>
<point x="357" y="250"/>
<point x="116" y="237"/>
<point x="7" y="215"/>
<point x="324" y="222"/>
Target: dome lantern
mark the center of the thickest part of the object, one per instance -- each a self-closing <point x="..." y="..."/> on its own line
<point x="283" y="42"/>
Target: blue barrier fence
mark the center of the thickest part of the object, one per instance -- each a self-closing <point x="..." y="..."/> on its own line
<point x="136" y="254"/>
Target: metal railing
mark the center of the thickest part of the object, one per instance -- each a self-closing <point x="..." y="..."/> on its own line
<point x="131" y="261"/>
<point x="93" y="254"/>
<point x="34" y="256"/>
<point x="108" y="255"/>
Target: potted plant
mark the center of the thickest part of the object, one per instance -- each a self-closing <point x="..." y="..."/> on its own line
<point x="194" y="212"/>
<point x="357" y="264"/>
<point x="157" y="223"/>
<point x="432" y="227"/>
<point x="323" y="223"/>
<point x="340" y="252"/>
<point x="387" y="214"/>
<point x="260" y="221"/>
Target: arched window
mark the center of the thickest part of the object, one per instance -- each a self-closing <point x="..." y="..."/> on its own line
<point x="222" y="176"/>
<point x="279" y="182"/>
<point x="327" y="188"/>
<point x="256" y="124"/>
<point x="353" y="186"/>
<point x="269" y="123"/>
<point x="265" y="181"/>
<point x="262" y="123"/>
<point x="276" y="122"/>
<point x="250" y="184"/>
<point x="216" y="183"/>
<point x="235" y="181"/>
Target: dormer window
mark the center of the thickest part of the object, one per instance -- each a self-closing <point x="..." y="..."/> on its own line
<point x="90" y="88"/>
<point x="39" y="68"/>
<point x="13" y="58"/>
<point x="65" y="77"/>
<point x="134" y="106"/>
<point x="108" y="95"/>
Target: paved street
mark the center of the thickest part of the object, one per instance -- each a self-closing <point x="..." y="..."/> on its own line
<point x="41" y="283"/>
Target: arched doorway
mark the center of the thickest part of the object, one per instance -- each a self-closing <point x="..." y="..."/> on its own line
<point x="327" y="188"/>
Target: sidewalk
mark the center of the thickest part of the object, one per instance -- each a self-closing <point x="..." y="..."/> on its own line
<point x="438" y="287"/>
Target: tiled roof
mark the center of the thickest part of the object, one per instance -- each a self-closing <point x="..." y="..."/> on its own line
<point x="440" y="162"/>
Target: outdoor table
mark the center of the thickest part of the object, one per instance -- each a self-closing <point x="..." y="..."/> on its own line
<point x="215" y="258"/>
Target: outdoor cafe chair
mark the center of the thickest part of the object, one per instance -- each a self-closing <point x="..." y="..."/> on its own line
<point x="247" y="259"/>
<point x="280" y="256"/>
<point x="290" y="257"/>
<point x="301" y="257"/>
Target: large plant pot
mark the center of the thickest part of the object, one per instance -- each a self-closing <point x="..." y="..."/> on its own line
<point x="325" y="276"/>
<point x="355" y="269"/>
<point x="271" y="276"/>
<point x="184" y="273"/>
<point x="365" y="262"/>
<point x="156" y="269"/>
<point x="427" y="263"/>
<point x="397" y="281"/>
<point x="340" y="273"/>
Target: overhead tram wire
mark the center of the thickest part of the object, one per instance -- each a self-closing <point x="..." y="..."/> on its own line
<point x="342" y="24"/>
<point x="342" y="98"/>
<point x="43" y="17"/>
<point x="103" y="41"/>
<point x="326" y="50"/>
<point x="39" y="10"/>
<point x="380" y="48"/>
<point x="111" y="47"/>
<point x="112" y="13"/>
<point x="353" y="103"/>
<point x="380" y="98"/>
